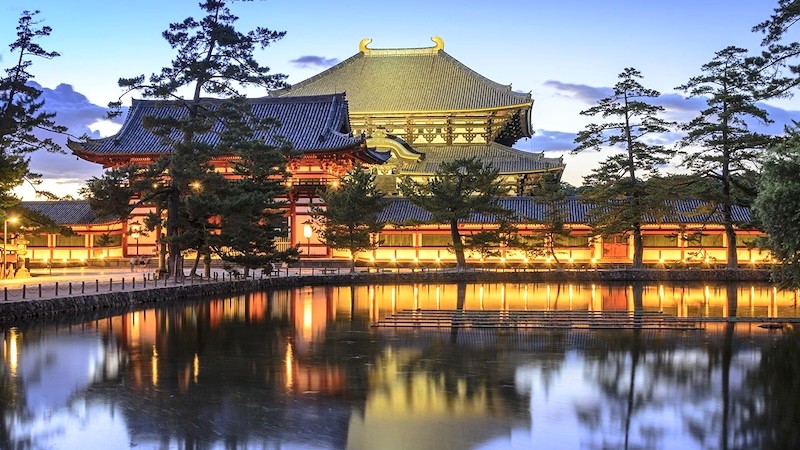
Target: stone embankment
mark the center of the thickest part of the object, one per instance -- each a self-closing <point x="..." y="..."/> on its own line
<point x="12" y="311"/>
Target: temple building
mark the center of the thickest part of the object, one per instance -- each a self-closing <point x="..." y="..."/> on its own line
<point x="402" y="113"/>
<point x="425" y="108"/>
<point x="317" y="128"/>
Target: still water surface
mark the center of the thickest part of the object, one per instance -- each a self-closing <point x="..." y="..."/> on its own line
<point x="305" y="369"/>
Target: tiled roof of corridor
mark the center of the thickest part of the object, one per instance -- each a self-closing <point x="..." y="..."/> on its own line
<point x="527" y="209"/>
<point x="64" y="212"/>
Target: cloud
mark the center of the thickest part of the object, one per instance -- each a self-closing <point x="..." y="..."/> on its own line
<point x="64" y="173"/>
<point x="677" y="108"/>
<point x="314" y="62"/>
<point x="547" y="141"/>
<point x="585" y="93"/>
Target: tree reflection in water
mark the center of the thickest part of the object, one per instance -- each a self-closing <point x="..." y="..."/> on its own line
<point x="305" y="368"/>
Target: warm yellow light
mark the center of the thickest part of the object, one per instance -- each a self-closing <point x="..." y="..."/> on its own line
<point x="661" y="260"/>
<point x="335" y="184"/>
<point x="195" y="185"/>
<point x="594" y="260"/>
<point x="503" y="259"/>
<point x="548" y="260"/>
<point x="571" y="260"/>
<point x="12" y="219"/>
<point x="438" y="260"/>
<point x="307" y="231"/>
<point x="371" y="258"/>
<point x="154" y="366"/>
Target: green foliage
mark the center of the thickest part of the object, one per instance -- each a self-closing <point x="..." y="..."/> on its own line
<point x="21" y="110"/>
<point x="213" y="58"/>
<point x="779" y="60"/>
<point x="552" y="194"/>
<point x="618" y="185"/>
<point x="350" y="220"/>
<point x="458" y="190"/>
<point x="248" y="207"/>
<point x="724" y="152"/>
<point x="777" y="206"/>
<point x="489" y="243"/>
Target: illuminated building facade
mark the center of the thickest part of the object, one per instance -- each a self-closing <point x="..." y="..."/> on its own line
<point x="406" y="111"/>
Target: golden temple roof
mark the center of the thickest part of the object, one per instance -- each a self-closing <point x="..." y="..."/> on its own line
<point x="409" y="80"/>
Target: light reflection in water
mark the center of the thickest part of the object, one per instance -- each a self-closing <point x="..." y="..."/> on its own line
<point x="154" y="363"/>
<point x="285" y="370"/>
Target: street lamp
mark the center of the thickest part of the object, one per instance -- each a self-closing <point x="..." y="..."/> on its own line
<point x="135" y="235"/>
<point x="307" y="235"/>
<point x="5" y="241"/>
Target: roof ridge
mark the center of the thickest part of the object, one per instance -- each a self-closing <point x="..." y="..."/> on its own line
<point x="438" y="41"/>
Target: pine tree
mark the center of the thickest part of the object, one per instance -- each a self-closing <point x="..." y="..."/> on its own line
<point x="250" y="211"/>
<point x="617" y="187"/>
<point x="457" y="190"/>
<point x="779" y="60"/>
<point x="21" y="110"/>
<point x="349" y="220"/>
<point x="552" y="195"/>
<point x="722" y="149"/>
<point x="213" y="58"/>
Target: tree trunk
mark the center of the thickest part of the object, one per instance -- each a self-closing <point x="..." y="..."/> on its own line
<point x="638" y="247"/>
<point x="207" y="265"/>
<point x="195" y="265"/>
<point x="163" y="269"/>
<point x="730" y="235"/>
<point x="458" y="246"/>
<point x="173" y="205"/>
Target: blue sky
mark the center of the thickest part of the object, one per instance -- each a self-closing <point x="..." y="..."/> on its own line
<point x="567" y="54"/>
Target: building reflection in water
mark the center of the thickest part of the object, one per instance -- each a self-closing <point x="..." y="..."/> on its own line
<point x="304" y="367"/>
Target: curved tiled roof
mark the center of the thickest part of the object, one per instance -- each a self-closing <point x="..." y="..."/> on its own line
<point x="527" y="209"/>
<point x="316" y="123"/>
<point x="414" y="79"/>
<point x="65" y="212"/>
<point x="505" y="159"/>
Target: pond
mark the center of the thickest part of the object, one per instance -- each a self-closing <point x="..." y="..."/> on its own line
<point x="309" y="369"/>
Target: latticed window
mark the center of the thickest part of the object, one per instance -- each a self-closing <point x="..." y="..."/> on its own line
<point x="659" y="240"/>
<point x="703" y="240"/>
<point x="747" y="241"/>
<point x="436" y="240"/>
<point x="397" y="240"/>
<point x="572" y="241"/>
<point x="70" y="241"/>
<point x="533" y="240"/>
<point x="108" y="240"/>
<point x="39" y="240"/>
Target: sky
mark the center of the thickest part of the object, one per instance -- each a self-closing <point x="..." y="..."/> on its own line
<point x="567" y="54"/>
